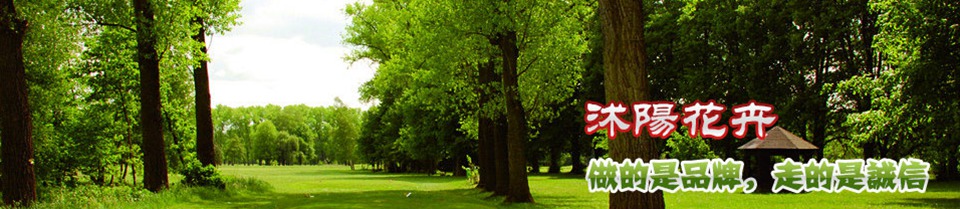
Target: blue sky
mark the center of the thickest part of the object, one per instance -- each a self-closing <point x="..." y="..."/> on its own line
<point x="286" y="52"/>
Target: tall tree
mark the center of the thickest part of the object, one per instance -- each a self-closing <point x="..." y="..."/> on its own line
<point x="19" y="181"/>
<point x="625" y="79"/>
<point x="154" y="157"/>
<point x="516" y="119"/>
<point x="206" y="152"/>
<point x="212" y="16"/>
<point x="486" y="132"/>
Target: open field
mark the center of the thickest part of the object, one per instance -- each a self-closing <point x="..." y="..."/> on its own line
<point x="339" y="187"/>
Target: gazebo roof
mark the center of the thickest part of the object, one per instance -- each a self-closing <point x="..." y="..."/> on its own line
<point x="778" y="139"/>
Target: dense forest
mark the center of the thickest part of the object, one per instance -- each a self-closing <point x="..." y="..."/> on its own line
<point x="102" y="92"/>
<point x="116" y="93"/>
<point x="505" y="81"/>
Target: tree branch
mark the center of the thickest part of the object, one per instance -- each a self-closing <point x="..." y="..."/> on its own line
<point x="534" y="60"/>
<point x="105" y="24"/>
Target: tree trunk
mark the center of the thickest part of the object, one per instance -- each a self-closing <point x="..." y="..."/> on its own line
<point x="206" y="152"/>
<point x="577" y="146"/>
<point x="128" y="136"/>
<point x="516" y="120"/>
<point x="486" y="133"/>
<point x="500" y="154"/>
<point x="625" y="80"/>
<point x="555" y="150"/>
<point x="19" y="181"/>
<point x="154" y="157"/>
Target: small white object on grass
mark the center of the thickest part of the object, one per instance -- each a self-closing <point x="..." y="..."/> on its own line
<point x="408" y="194"/>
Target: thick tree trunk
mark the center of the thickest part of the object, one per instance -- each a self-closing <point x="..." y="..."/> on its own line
<point x="154" y="157"/>
<point x="19" y="181"/>
<point x="206" y="152"/>
<point x="486" y="126"/>
<point x="501" y="158"/>
<point x="625" y="80"/>
<point x="516" y="120"/>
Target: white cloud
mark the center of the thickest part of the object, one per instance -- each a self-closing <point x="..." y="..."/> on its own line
<point x="285" y="52"/>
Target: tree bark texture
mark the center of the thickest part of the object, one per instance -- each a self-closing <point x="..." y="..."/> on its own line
<point x="19" y="181"/>
<point x="154" y="157"/>
<point x="625" y="80"/>
<point x="516" y="119"/>
<point x="206" y="152"/>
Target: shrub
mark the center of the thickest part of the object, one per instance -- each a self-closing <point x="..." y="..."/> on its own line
<point x="682" y="147"/>
<point x="194" y="174"/>
<point x="473" y="172"/>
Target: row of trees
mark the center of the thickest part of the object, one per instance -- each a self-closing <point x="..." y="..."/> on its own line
<point x="295" y="134"/>
<point x="92" y="88"/>
<point x="505" y="80"/>
<point x="470" y="78"/>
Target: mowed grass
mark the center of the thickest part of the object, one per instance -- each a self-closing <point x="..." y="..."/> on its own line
<point x="333" y="186"/>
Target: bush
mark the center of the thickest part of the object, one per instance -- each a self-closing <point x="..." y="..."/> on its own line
<point x="682" y="147"/>
<point x="194" y="174"/>
<point x="473" y="172"/>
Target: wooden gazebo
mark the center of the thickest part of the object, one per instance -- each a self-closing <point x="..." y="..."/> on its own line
<point x="778" y="142"/>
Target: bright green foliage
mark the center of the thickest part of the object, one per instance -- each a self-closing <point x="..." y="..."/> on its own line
<point x="265" y="142"/>
<point x="295" y="134"/>
<point x="682" y="147"/>
<point x="83" y="76"/>
<point x="195" y="174"/>
<point x="429" y="54"/>
<point x="911" y="106"/>
<point x="341" y="144"/>
<point x="861" y="79"/>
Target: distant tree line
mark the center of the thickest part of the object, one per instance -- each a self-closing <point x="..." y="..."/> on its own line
<point x="290" y="135"/>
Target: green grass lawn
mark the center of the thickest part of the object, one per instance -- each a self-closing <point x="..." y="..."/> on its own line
<point x="339" y="187"/>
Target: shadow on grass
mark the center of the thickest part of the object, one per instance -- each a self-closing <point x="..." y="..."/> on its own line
<point x="458" y="198"/>
<point x="253" y="193"/>
<point x="325" y="172"/>
<point x="936" y="202"/>
<point x="558" y="175"/>
<point x="943" y="186"/>
<point x="411" y="178"/>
